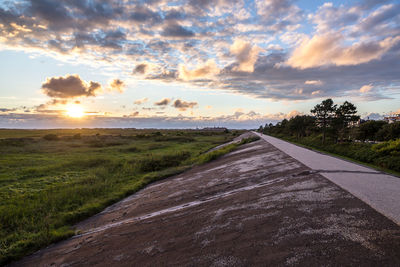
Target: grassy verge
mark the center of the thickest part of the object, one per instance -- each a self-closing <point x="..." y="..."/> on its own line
<point x="382" y="157"/>
<point x="224" y="150"/>
<point x="49" y="183"/>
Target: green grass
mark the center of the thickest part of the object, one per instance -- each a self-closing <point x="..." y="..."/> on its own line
<point x="384" y="156"/>
<point x="51" y="179"/>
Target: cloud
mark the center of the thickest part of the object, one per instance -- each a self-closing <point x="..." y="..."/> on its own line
<point x="140" y="101"/>
<point x="143" y="14"/>
<point x="328" y="49"/>
<point x="270" y="49"/>
<point x="70" y="86"/>
<point x="383" y="14"/>
<point x="238" y="120"/>
<point x="366" y="88"/>
<point x="140" y="69"/>
<point x="116" y="85"/>
<point x="7" y="109"/>
<point x="176" y="30"/>
<point x="278" y="14"/>
<point x="329" y="17"/>
<point x="183" y="105"/>
<point x="313" y="82"/>
<point x="246" y="55"/>
<point x="316" y="92"/>
<point x="205" y="71"/>
<point x="163" y="102"/>
<point x="373" y="116"/>
<point x="134" y="114"/>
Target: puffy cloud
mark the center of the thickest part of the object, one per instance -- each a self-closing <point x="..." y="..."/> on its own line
<point x="140" y="68"/>
<point x="183" y="105"/>
<point x="70" y="86"/>
<point x="140" y="101"/>
<point x="163" y="102"/>
<point x="176" y="30"/>
<point x="205" y="71"/>
<point x="350" y="43"/>
<point x="116" y="85"/>
<point x="327" y="49"/>
<point x="143" y="14"/>
<point x="366" y="88"/>
<point x="373" y="116"/>
<point x="278" y="13"/>
<point x="135" y="114"/>
<point x="246" y="55"/>
<point x="329" y="17"/>
<point x="384" y="14"/>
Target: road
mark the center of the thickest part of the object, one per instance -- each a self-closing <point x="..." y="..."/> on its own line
<point x="256" y="206"/>
<point x="379" y="190"/>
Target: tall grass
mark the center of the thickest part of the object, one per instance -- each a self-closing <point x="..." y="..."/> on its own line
<point x="46" y="186"/>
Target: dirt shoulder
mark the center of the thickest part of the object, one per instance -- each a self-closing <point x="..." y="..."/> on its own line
<point x="254" y="206"/>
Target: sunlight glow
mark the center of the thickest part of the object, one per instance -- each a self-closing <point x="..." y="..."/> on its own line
<point x="75" y="111"/>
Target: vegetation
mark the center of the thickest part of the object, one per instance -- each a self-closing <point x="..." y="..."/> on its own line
<point x="51" y="179"/>
<point x="331" y="130"/>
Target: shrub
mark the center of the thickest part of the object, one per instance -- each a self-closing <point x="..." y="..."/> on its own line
<point x="50" y="137"/>
<point x="155" y="163"/>
<point x="77" y="136"/>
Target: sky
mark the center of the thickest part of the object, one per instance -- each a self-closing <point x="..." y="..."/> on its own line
<point x="195" y="63"/>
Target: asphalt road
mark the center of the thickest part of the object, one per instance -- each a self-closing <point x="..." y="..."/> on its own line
<point x="379" y="190"/>
<point x="255" y="206"/>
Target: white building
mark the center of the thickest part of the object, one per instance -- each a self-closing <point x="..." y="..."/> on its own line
<point x="393" y="119"/>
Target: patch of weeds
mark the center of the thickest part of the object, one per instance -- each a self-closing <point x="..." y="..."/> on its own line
<point x="51" y="137"/>
<point x="153" y="163"/>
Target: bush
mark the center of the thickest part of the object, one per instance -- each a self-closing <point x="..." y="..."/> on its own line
<point x="50" y="137"/>
<point x="77" y="136"/>
<point x="155" y="163"/>
<point x="183" y="139"/>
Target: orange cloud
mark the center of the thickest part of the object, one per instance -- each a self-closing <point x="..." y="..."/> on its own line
<point x="327" y="49"/>
<point x="246" y="55"/>
<point x="207" y="70"/>
<point x="366" y="88"/>
<point x="312" y="82"/>
<point x="116" y="85"/>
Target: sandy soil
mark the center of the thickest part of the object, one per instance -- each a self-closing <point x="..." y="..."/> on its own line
<point x="256" y="206"/>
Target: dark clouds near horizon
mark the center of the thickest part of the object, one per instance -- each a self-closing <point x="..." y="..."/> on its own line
<point x="267" y="49"/>
<point x="69" y="86"/>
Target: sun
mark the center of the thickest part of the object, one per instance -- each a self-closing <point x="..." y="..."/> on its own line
<point x="75" y="111"/>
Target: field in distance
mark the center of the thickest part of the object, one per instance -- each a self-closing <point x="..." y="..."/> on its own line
<point x="51" y="179"/>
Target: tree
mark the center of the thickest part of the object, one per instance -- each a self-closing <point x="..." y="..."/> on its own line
<point x="345" y="114"/>
<point x="369" y="130"/>
<point x="389" y="131"/>
<point x="324" y="113"/>
<point x="299" y="125"/>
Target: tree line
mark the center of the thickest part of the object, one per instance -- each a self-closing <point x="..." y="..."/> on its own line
<point x="335" y="124"/>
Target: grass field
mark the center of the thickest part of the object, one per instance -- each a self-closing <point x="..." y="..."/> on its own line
<point x="51" y="179"/>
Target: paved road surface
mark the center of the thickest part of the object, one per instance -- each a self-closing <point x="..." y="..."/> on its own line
<point x="379" y="190"/>
<point x="256" y="206"/>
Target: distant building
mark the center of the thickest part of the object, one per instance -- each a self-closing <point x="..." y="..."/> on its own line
<point x="392" y="119"/>
<point x="215" y="129"/>
<point x="357" y="123"/>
